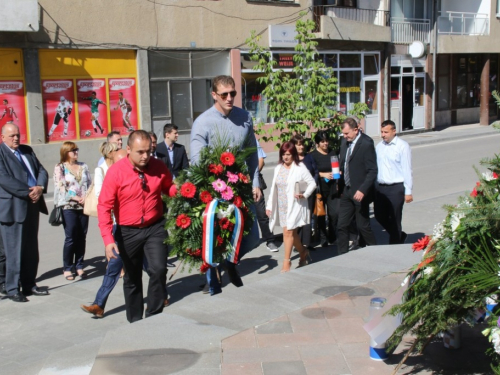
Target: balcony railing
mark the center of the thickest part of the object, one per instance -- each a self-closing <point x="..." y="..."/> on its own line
<point x="407" y="30"/>
<point x="463" y="23"/>
<point x="369" y="16"/>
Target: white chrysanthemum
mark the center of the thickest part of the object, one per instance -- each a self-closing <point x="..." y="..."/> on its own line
<point x="438" y="231"/>
<point x="495" y="339"/>
<point x="428" y="271"/>
<point x="488" y="176"/>
<point x="225" y="213"/>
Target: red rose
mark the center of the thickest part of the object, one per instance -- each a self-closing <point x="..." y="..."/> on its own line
<point x="473" y="193"/>
<point x="495" y="176"/>
<point x="227" y="158"/>
<point x="188" y="190"/>
<point x="243" y="178"/>
<point x="197" y="253"/>
<point x="205" y="197"/>
<point x="204" y="267"/>
<point x="421" y="244"/>
<point x="183" y="221"/>
<point x="224" y="223"/>
<point x="230" y="227"/>
<point x="220" y="240"/>
<point x="215" y="168"/>
<point x="172" y="192"/>
<point x="237" y="201"/>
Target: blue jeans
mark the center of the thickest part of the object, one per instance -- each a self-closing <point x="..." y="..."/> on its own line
<point x="109" y="280"/>
<point x="248" y="243"/>
<point x="75" y="228"/>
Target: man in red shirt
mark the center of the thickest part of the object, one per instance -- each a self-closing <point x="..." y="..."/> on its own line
<point x="8" y="112"/>
<point x="132" y="189"/>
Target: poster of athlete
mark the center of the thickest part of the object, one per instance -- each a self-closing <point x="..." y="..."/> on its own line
<point x="92" y="107"/>
<point x="58" y="98"/>
<point x="12" y="106"/>
<point x="123" y="104"/>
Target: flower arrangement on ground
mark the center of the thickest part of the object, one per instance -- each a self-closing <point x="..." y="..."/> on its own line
<point x="208" y="207"/>
<point x="459" y="267"/>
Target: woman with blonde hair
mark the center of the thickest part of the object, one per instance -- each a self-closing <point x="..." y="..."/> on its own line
<point x="287" y="204"/>
<point x="71" y="182"/>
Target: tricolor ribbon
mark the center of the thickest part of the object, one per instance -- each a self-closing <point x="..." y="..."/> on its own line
<point x="209" y="234"/>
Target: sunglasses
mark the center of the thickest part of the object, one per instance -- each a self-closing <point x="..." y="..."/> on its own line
<point x="143" y="179"/>
<point x="224" y="95"/>
<point x="75" y="150"/>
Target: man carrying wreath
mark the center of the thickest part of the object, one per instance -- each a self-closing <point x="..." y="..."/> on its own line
<point x="223" y="119"/>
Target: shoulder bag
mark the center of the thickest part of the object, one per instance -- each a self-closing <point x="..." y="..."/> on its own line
<point x="56" y="217"/>
<point x="90" y="206"/>
<point x="319" y="206"/>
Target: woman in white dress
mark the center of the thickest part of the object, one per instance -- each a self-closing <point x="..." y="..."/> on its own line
<point x="287" y="204"/>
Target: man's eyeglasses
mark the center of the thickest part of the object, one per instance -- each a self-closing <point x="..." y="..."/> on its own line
<point x="143" y="179"/>
<point x="224" y="95"/>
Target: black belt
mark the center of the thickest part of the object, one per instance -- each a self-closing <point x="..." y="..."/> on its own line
<point x="141" y="226"/>
<point x="394" y="184"/>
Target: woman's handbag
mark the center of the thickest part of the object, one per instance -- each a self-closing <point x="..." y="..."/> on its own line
<point x="90" y="206"/>
<point x="319" y="207"/>
<point x="56" y="217"/>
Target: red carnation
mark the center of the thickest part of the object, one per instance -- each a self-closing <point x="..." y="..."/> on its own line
<point x="224" y="223"/>
<point x="215" y="168"/>
<point x="172" y="192"/>
<point x="237" y="201"/>
<point x="230" y="227"/>
<point x="204" y="267"/>
<point x="205" y="197"/>
<point x="243" y="178"/>
<point x="421" y="244"/>
<point x="188" y="190"/>
<point x="473" y="193"/>
<point x="183" y="221"/>
<point x="227" y="158"/>
<point x="197" y="252"/>
<point x="495" y="176"/>
<point x="220" y="240"/>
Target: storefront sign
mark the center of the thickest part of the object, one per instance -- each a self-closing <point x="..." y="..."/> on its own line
<point x="92" y="115"/>
<point x="12" y="106"/>
<point x="282" y="36"/>
<point x="60" y="118"/>
<point x="285" y="60"/>
<point x="350" y="89"/>
<point x="123" y="104"/>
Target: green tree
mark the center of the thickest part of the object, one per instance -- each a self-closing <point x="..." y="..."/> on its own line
<point x="304" y="102"/>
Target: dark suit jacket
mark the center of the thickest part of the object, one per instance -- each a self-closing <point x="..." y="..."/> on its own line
<point x="180" y="157"/>
<point x="14" y="190"/>
<point x="362" y="165"/>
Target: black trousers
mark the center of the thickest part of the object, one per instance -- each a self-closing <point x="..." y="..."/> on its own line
<point x="20" y="242"/>
<point x="260" y="208"/>
<point x="331" y="203"/>
<point x="133" y="245"/>
<point x="305" y="232"/>
<point x="349" y="209"/>
<point x="388" y="207"/>
<point x="2" y="261"/>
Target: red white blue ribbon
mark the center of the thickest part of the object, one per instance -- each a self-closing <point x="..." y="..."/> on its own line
<point x="207" y="252"/>
<point x="208" y="246"/>
<point x="236" y="237"/>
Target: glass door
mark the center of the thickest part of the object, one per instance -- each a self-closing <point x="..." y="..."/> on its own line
<point x="372" y="101"/>
<point x="419" y="103"/>
<point x="181" y="104"/>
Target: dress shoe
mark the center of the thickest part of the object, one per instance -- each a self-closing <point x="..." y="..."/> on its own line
<point x="36" y="291"/>
<point x="354" y="246"/>
<point x="18" y="298"/>
<point x="3" y="290"/>
<point x="403" y="237"/>
<point x="94" y="310"/>
<point x="234" y="277"/>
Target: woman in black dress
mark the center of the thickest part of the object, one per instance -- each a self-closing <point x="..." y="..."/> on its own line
<point x="305" y="232"/>
<point x="328" y="188"/>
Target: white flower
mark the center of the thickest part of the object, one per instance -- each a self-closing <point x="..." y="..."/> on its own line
<point x="405" y="281"/>
<point x="491" y="300"/>
<point x="495" y="339"/>
<point x="225" y="213"/>
<point x="428" y="271"/>
<point x="438" y="231"/>
<point x="488" y="176"/>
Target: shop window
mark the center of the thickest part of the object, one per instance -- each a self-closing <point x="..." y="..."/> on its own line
<point x="168" y="64"/>
<point x="371" y="64"/>
<point x="443" y="82"/>
<point x="159" y="99"/>
<point x="350" y="89"/>
<point x="408" y="69"/>
<point x="468" y="81"/>
<point x="371" y="97"/>
<point x="395" y="70"/>
<point x="209" y="64"/>
<point x="351" y="60"/>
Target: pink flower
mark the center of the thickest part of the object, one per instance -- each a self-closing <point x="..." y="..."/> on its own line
<point x="232" y="177"/>
<point x="219" y="185"/>
<point x="227" y="194"/>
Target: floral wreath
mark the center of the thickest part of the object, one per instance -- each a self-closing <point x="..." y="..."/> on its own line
<point x="221" y="174"/>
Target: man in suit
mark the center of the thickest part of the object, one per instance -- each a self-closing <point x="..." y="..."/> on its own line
<point x="171" y="153"/>
<point x="358" y="164"/>
<point x="23" y="180"/>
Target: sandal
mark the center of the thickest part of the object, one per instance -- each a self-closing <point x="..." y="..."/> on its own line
<point x="82" y="274"/>
<point x="68" y="275"/>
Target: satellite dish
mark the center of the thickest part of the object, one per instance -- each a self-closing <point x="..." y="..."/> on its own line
<point x="416" y="49"/>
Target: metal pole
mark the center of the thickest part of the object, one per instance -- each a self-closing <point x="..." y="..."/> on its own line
<point x="434" y="58"/>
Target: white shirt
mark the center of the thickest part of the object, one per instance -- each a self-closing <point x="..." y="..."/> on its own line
<point x="394" y="163"/>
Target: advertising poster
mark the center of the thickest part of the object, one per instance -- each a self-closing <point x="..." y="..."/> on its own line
<point x="92" y="108"/>
<point x="58" y="111"/>
<point x="123" y="104"/>
<point x="12" y="106"/>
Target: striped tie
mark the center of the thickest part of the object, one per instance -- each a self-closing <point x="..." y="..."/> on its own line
<point x="347" y="178"/>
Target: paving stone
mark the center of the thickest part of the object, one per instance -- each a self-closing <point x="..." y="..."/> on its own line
<point x="244" y="339"/>
<point x="274" y="327"/>
<point x="280" y="368"/>
<point x="325" y="366"/>
<point x="241" y="369"/>
<point x="348" y="330"/>
<point x="252" y="355"/>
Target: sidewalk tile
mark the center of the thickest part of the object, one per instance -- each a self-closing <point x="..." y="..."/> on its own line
<point x="355" y="349"/>
<point x="244" y="339"/>
<point x="323" y="366"/>
<point x="319" y="336"/>
<point x="367" y="366"/>
<point x="282" y="368"/>
<point x="314" y="351"/>
<point x="274" y="327"/>
<point x="241" y="369"/>
<point x="251" y="355"/>
<point x="348" y="330"/>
